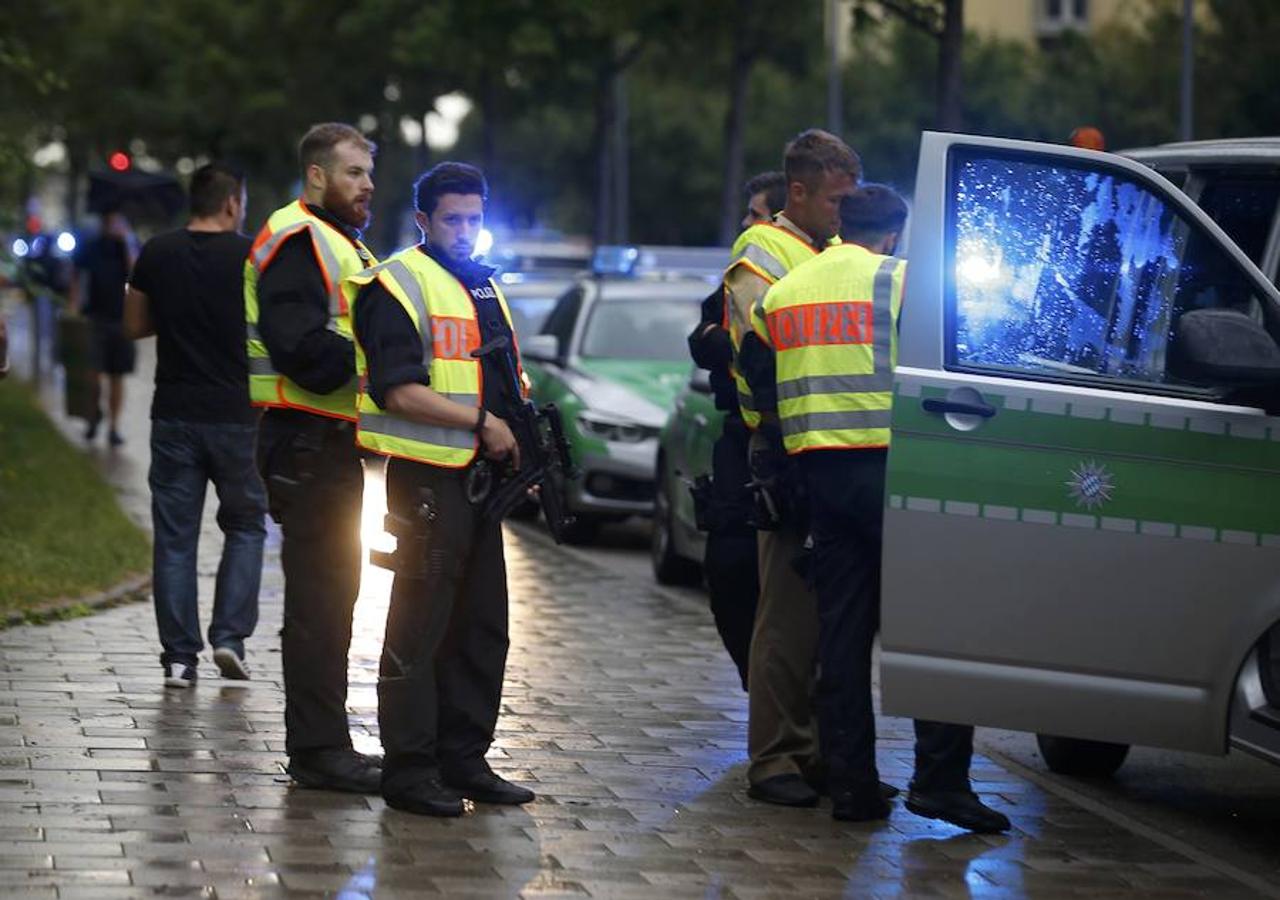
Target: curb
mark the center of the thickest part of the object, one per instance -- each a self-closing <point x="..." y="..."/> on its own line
<point x="132" y="589"/>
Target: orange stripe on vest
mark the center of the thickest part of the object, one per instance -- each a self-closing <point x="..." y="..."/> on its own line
<point x="454" y="337"/>
<point x="821" y="324"/>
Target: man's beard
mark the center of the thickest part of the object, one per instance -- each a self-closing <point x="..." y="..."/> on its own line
<point x="344" y="209"/>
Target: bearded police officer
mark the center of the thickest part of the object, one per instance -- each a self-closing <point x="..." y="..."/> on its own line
<point x="302" y="369"/>
<point x="833" y="325"/>
<point x="819" y="169"/>
<point x="439" y="360"/>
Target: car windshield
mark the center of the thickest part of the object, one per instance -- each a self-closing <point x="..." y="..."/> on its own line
<point x="640" y="329"/>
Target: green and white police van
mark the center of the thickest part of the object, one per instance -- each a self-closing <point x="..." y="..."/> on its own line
<point x="1082" y="533"/>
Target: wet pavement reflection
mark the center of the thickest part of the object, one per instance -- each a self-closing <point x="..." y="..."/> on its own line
<point x="620" y="710"/>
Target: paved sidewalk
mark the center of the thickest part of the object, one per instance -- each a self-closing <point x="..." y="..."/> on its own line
<point x="621" y="710"/>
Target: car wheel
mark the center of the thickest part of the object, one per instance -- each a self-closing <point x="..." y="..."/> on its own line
<point x="1085" y="759"/>
<point x="668" y="566"/>
<point x="582" y="530"/>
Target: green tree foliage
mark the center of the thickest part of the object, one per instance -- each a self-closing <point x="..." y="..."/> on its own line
<point x="197" y="78"/>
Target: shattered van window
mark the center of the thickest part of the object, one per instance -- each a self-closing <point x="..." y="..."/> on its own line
<point x="1073" y="271"/>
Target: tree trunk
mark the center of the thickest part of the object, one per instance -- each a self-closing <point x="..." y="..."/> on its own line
<point x="603" y="145"/>
<point x="621" y="169"/>
<point x="950" y="85"/>
<point x="735" y="130"/>
<point x="491" y="123"/>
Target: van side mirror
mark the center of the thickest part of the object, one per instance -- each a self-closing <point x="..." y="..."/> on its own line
<point x="1219" y="346"/>
<point x="541" y="348"/>
<point x="700" y="381"/>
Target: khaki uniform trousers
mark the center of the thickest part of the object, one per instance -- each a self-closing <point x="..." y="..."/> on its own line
<point x="782" y="735"/>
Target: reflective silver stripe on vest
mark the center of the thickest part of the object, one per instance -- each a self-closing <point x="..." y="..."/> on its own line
<point x="260" y="365"/>
<point x="835" y="384"/>
<point x="762" y="259"/>
<point x="269" y="246"/>
<point x="327" y="259"/>
<point x="746" y="401"/>
<point x="878" y="381"/>
<point x="251" y="331"/>
<point x="413" y="290"/>
<point x="397" y="427"/>
<point x="848" y="420"/>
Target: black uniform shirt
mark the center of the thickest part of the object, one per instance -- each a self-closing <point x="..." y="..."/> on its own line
<point x="293" y="315"/>
<point x="394" y="348"/>
<point x="712" y="349"/>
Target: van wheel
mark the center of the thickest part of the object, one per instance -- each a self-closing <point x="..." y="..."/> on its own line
<point x="1084" y="759"/>
<point x="668" y="566"/>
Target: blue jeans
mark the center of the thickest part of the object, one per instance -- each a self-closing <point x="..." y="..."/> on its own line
<point x="185" y="457"/>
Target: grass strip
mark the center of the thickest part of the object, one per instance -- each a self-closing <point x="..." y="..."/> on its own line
<point x="62" y="534"/>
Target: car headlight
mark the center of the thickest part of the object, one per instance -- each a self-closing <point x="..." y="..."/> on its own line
<point x="614" y="431"/>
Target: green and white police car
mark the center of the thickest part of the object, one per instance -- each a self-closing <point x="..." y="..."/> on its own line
<point x="612" y="355"/>
<point x="1082" y="535"/>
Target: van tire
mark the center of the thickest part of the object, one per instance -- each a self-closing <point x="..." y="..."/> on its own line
<point x="1081" y="758"/>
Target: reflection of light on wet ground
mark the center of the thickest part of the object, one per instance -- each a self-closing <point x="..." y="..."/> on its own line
<point x="371" y="609"/>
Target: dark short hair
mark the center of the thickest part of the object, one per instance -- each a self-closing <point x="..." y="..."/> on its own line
<point x="316" y="146"/>
<point x="815" y="152"/>
<point x="774" y="187"/>
<point x="211" y="185"/>
<point x="447" y="178"/>
<point x="871" y="212"/>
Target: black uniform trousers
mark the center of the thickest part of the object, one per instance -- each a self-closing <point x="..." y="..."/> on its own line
<point x="315" y="487"/>
<point x="730" y="561"/>
<point x="846" y="492"/>
<point x="440" y="678"/>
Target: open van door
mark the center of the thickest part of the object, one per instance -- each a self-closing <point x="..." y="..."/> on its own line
<point x="1083" y="527"/>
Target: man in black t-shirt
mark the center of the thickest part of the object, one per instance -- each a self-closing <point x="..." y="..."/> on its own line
<point x="187" y="290"/>
<point x="105" y="262"/>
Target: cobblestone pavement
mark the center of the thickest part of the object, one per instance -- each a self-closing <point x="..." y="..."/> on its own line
<point x="621" y="710"/>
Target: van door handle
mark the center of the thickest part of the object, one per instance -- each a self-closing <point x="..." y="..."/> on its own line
<point x="959" y="407"/>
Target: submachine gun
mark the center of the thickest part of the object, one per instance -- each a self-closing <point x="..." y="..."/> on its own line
<point x="545" y="460"/>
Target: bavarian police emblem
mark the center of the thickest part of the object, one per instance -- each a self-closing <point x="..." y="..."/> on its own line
<point x="1091" y="485"/>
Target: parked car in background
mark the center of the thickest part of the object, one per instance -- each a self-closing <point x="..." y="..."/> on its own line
<point x="612" y="356"/>
<point x="676" y="544"/>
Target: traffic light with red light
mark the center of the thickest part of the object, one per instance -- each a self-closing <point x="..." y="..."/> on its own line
<point x="119" y="161"/>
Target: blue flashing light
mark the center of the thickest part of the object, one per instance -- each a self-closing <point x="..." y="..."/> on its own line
<point x="484" y="242"/>
<point x="511" y="277"/>
<point x="66" y="242"/>
<point x="20" y="248"/>
<point x="38" y="244"/>
<point x="615" y="260"/>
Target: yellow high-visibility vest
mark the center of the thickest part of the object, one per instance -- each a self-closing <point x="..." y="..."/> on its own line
<point x="337" y="258"/>
<point x="769" y="251"/>
<point x="833" y="325"/>
<point x="445" y="318"/>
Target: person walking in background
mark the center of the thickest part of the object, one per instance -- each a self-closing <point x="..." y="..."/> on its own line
<point x="302" y="368"/>
<point x="102" y="267"/>
<point x="187" y="289"/>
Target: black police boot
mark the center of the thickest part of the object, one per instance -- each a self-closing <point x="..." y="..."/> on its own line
<point x="817" y="779"/>
<point x="859" y="802"/>
<point x="336" y="769"/>
<point x="960" y="808"/>
<point x="489" y="787"/>
<point x="784" y="790"/>
<point x="426" y="795"/>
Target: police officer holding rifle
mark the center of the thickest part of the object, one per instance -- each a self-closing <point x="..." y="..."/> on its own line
<point x="443" y="389"/>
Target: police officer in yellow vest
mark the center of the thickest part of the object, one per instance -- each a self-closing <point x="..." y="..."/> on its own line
<point x="302" y="370"/>
<point x="430" y="405"/>
<point x="819" y="169"/>
<point x="833" y="325"/>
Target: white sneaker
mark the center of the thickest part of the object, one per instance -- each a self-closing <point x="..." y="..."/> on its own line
<point x="179" y="675"/>
<point x="230" y="664"/>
